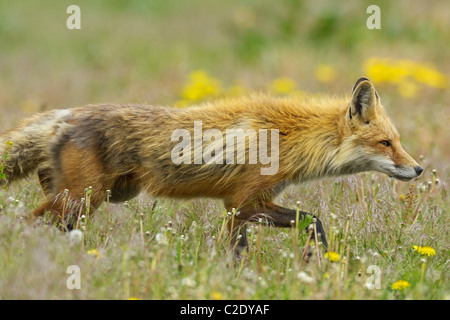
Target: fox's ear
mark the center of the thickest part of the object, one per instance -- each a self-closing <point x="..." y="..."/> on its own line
<point x="364" y="100"/>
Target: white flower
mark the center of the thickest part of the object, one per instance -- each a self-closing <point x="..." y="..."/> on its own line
<point x="304" y="277"/>
<point x="160" y="238"/>
<point x="75" y="236"/>
<point x="188" y="282"/>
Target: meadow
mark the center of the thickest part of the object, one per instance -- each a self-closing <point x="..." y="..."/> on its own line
<point x="387" y="239"/>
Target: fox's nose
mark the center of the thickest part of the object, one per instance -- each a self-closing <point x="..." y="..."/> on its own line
<point x="419" y="170"/>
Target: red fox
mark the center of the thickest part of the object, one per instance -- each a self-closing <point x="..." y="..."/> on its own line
<point x="131" y="148"/>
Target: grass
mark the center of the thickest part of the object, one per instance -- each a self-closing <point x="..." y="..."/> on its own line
<point x="145" y="51"/>
<point x="178" y="250"/>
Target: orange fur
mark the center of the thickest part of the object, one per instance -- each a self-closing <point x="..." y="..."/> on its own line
<point x="127" y="148"/>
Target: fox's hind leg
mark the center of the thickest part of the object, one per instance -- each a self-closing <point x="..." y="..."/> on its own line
<point x="125" y="187"/>
<point x="237" y="229"/>
<point x="76" y="169"/>
<point x="238" y="236"/>
<point x="46" y="180"/>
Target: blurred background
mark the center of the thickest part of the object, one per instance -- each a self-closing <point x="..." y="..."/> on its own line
<point x="177" y="53"/>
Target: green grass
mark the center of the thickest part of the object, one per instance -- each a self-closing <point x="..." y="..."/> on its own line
<point x="179" y="250"/>
<point x="144" y="51"/>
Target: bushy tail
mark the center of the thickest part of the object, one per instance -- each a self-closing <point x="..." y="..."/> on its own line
<point x="25" y="148"/>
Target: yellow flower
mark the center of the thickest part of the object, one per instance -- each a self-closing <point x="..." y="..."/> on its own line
<point x="29" y="105"/>
<point x="282" y="85"/>
<point x="326" y="275"/>
<point x="183" y="103"/>
<point x="299" y="94"/>
<point x="9" y="144"/>
<point x="201" y="85"/>
<point x="332" y="256"/>
<point x="407" y="88"/>
<point x="400" y="285"/>
<point x="216" y="296"/>
<point x="94" y="252"/>
<point x="236" y="90"/>
<point x="426" y="251"/>
<point x="430" y="77"/>
<point x="377" y="70"/>
<point x="400" y="71"/>
<point x="133" y="298"/>
<point x="325" y="73"/>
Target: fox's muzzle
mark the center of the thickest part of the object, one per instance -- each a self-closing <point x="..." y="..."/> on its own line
<point x="418" y="170"/>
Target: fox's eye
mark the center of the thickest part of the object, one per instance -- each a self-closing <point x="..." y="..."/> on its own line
<point x="385" y="143"/>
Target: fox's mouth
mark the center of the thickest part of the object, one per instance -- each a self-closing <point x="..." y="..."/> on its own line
<point x="405" y="173"/>
<point x="402" y="178"/>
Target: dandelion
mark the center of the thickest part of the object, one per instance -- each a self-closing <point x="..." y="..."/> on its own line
<point x="378" y="69"/>
<point x="406" y="74"/>
<point x="216" y="296"/>
<point x="299" y="94"/>
<point x="282" y="85"/>
<point x="325" y="73"/>
<point x="430" y="76"/>
<point x="188" y="282"/>
<point x="407" y="89"/>
<point x="332" y="256"/>
<point x="75" y="236"/>
<point x="201" y="85"/>
<point x="400" y="285"/>
<point x="29" y="105"/>
<point x="94" y="252"/>
<point x="161" y="238"/>
<point x="304" y="277"/>
<point x="236" y="90"/>
<point x="423" y="269"/>
<point x="426" y="251"/>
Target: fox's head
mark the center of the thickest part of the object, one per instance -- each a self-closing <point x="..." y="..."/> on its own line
<point x="371" y="140"/>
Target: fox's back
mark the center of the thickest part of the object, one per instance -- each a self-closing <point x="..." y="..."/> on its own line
<point x="136" y="139"/>
<point x="140" y="140"/>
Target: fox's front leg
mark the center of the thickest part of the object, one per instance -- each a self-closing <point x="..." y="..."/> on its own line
<point x="277" y="216"/>
<point x="283" y="217"/>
